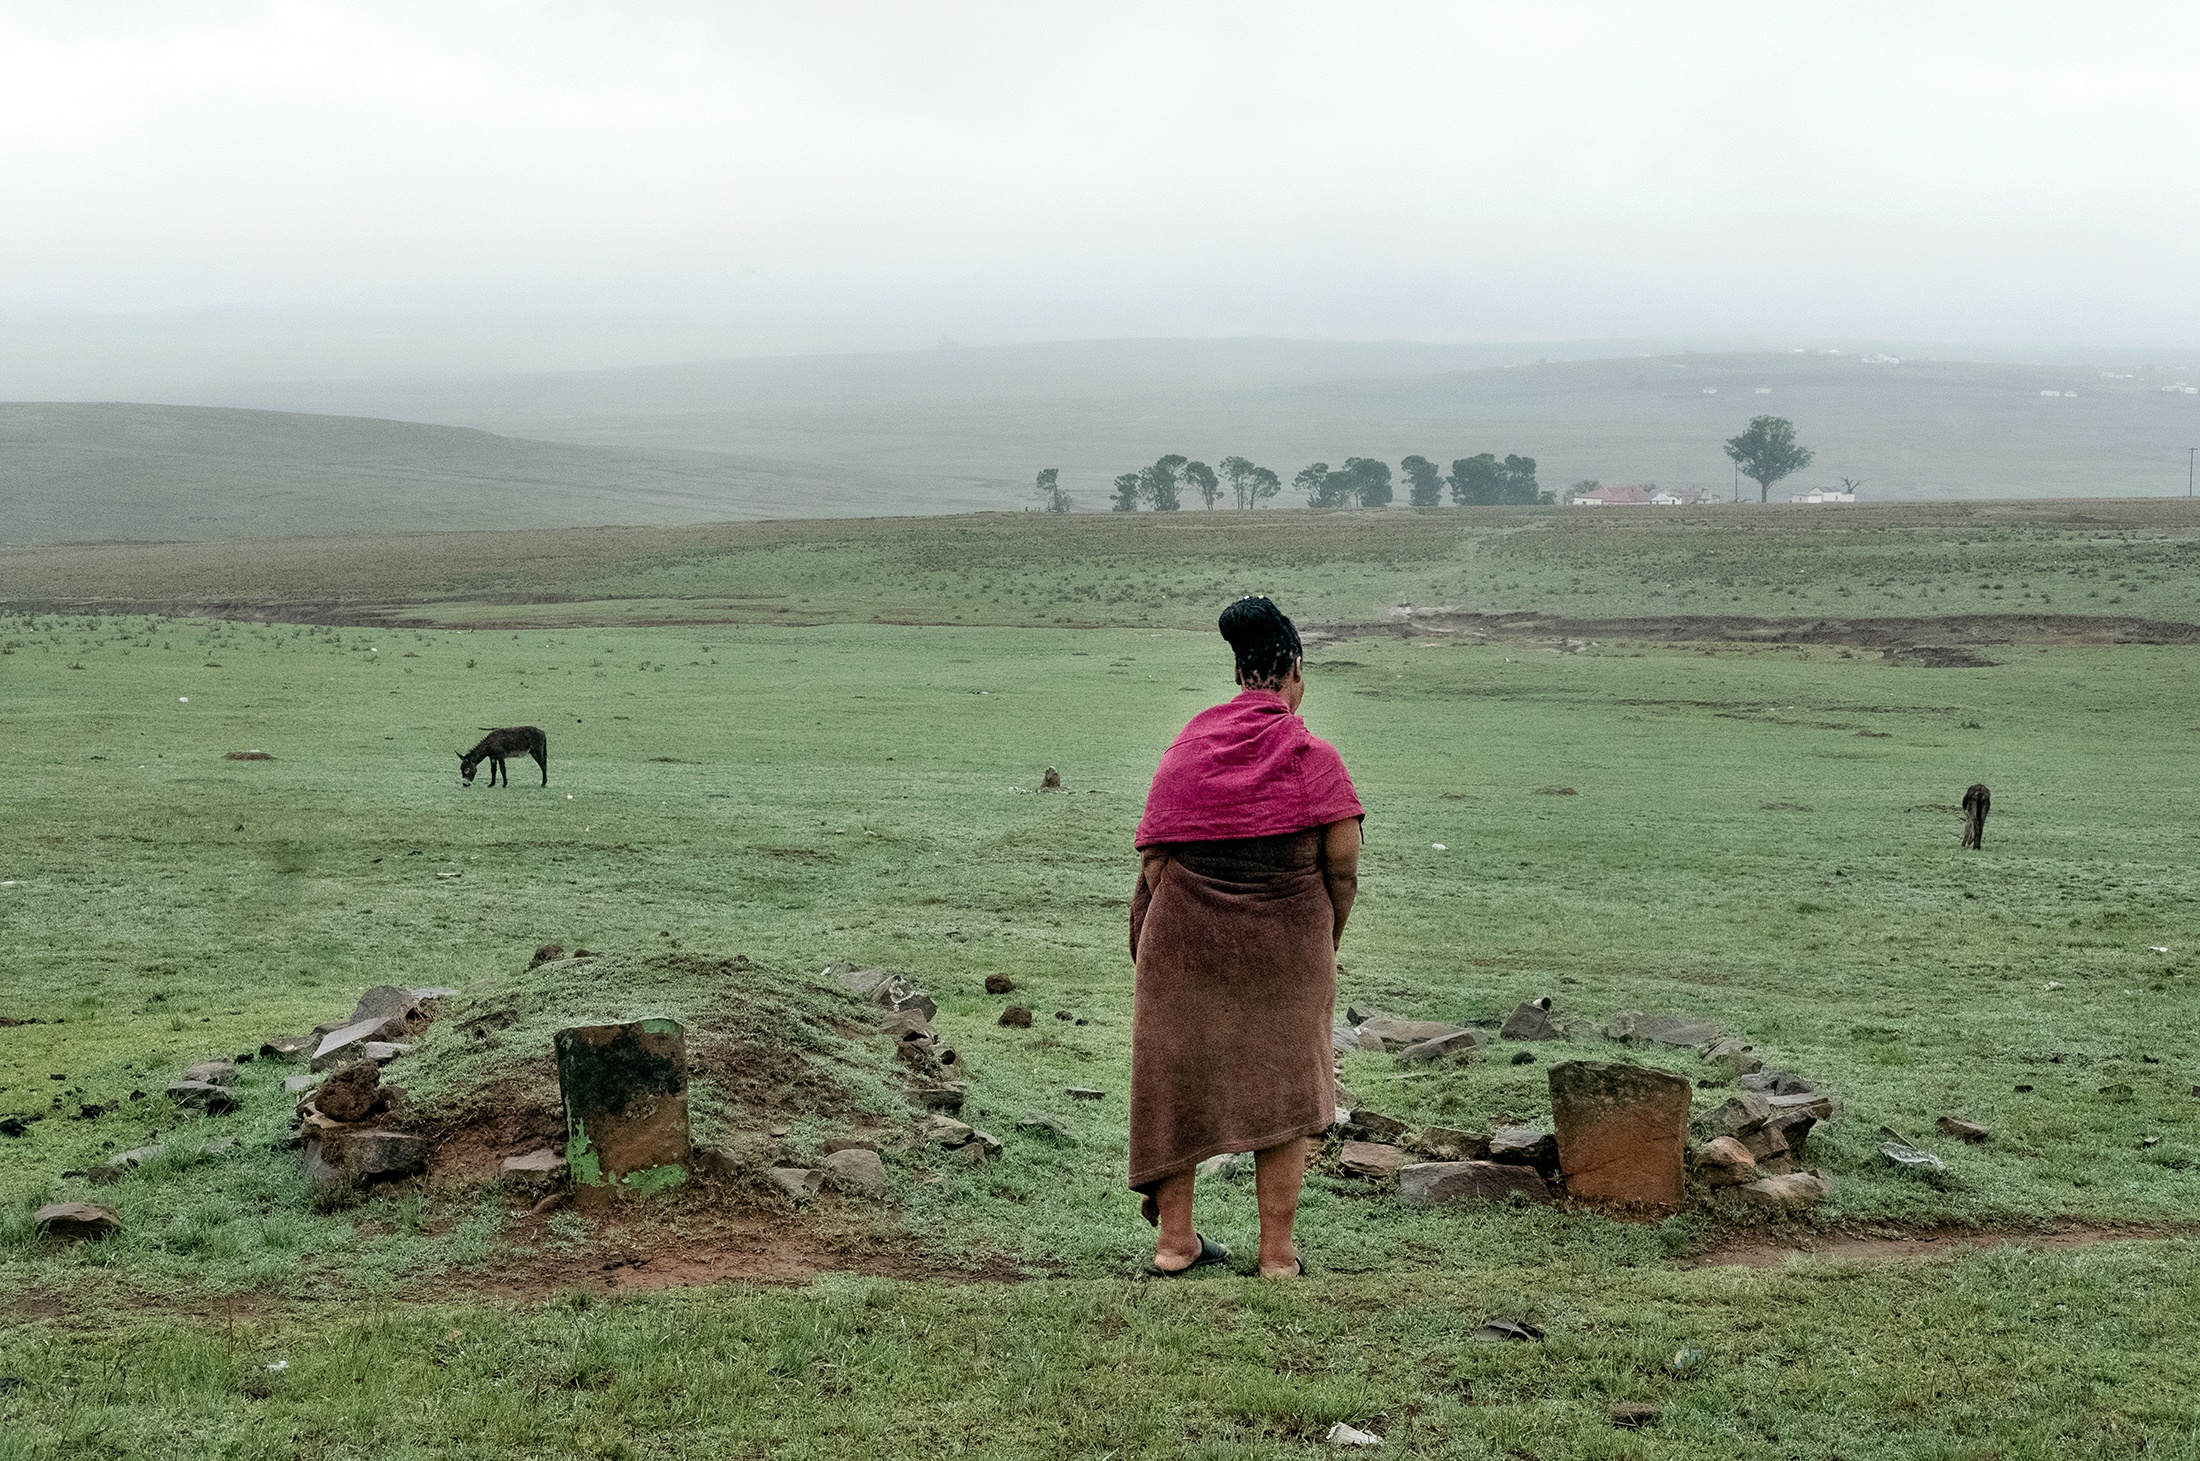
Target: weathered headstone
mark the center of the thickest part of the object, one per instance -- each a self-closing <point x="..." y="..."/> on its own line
<point x="625" y="1091"/>
<point x="1436" y="1184"/>
<point x="1622" y="1130"/>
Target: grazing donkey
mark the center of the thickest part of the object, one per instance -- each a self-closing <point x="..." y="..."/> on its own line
<point x="518" y="740"/>
<point x="1976" y="802"/>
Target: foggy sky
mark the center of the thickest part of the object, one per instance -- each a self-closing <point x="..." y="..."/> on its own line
<point x="640" y="181"/>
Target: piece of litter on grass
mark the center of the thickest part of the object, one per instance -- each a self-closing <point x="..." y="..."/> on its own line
<point x="2052" y="984"/>
<point x="2157" y="948"/>
<point x="446" y="875"/>
<point x="1341" y="1434"/>
<point x="183" y="700"/>
<point x="279" y="1365"/>
<point x="569" y="796"/>
<point x="1498" y="1331"/>
<point x="1438" y="847"/>
<point x="1903" y="1152"/>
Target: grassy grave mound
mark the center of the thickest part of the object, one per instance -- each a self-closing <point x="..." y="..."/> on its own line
<point x="766" y="1049"/>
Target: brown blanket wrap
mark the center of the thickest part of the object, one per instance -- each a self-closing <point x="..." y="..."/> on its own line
<point x="1237" y="988"/>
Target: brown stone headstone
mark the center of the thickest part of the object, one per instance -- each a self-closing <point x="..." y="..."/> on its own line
<point x="626" y="1106"/>
<point x="1622" y="1131"/>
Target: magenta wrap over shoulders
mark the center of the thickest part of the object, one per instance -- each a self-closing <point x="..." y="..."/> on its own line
<point x="1248" y="768"/>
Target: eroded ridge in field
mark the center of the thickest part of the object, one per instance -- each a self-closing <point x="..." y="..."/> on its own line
<point x="1893" y="633"/>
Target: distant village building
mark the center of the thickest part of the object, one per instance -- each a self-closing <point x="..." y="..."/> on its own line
<point x="1613" y="497"/>
<point x="1823" y="496"/>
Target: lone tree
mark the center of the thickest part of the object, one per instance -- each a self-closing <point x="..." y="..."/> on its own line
<point x="1424" y="481"/>
<point x="1767" y="452"/>
<point x="1126" y="492"/>
<point x="1369" y="481"/>
<point x="1204" y="482"/>
<point x="1051" y="495"/>
<point x="1266" y="484"/>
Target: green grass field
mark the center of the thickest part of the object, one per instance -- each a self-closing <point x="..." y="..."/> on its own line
<point x="1760" y="835"/>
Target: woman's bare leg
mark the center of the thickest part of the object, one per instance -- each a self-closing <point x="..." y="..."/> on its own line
<point x="1178" y="1245"/>
<point x="1277" y="1175"/>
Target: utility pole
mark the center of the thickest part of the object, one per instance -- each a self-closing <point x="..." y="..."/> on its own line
<point x="2190" y="453"/>
<point x="1737" y="481"/>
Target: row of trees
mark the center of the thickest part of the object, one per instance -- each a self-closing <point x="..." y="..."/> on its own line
<point x="1765" y="453"/>
<point x="1361" y="482"/>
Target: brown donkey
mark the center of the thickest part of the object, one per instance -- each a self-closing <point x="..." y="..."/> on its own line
<point x="518" y="740"/>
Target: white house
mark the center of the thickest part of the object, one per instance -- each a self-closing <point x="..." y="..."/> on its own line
<point x="1613" y="497"/>
<point x="1821" y="495"/>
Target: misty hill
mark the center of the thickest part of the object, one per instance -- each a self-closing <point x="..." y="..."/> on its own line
<point x="1917" y="428"/>
<point x="79" y="472"/>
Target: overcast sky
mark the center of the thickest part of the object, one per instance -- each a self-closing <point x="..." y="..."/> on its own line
<point x="670" y="179"/>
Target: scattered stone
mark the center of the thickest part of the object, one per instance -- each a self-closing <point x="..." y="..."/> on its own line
<point x="433" y="992"/>
<point x="1622" y="1131"/>
<point x="1906" y="1154"/>
<point x="544" y="953"/>
<point x="939" y="1095"/>
<point x="382" y="1052"/>
<point x="1741" y="1114"/>
<point x="855" y="1170"/>
<point x="1435" y="1184"/>
<point x="948" y="1132"/>
<point x="390" y="1002"/>
<point x="851" y="1144"/>
<point x="1532" y="1021"/>
<point x="1225" y="1165"/>
<point x="1507" y="1331"/>
<point x="798" y="1182"/>
<point x="341" y="1045"/>
<point x="1724" y="1162"/>
<point x="983" y="1146"/>
<point x="77" y="1221"/>
<point x="625" y="1090"/>
<point x="1457" y="1045"/>
<point x="1527" y="1146"/>
<point x="1443" y="1144"/>
<point x="1734" y="1057"/>
<point x="922" y="1004"/>
<point x="551" y="1203"/>
<point x="1792" y="1190"/>
<point x="202" y="1096"/>
<point x="287" y="1047"/>
<point x="215" y="1072"/>
<point x="1362" y="1125"/>
<point x="878" y="986"/>
<point x="352" y="1094"/>
<point x="1086" y="1093"/>
<point x="1633" y="1415"/>
<point x="21" y="1125"/>
<point x="1636" y="1028"/>
<point x="1016" y="1017"/>
<point x="1523" y="1057"/>
<point x="1051" y="781"/>
<point x="1341" y="1434"/>
<point x="1343" y="1038"/>
<point x="909" y="1025"/>
<point x="541" y="1162"/>
<point x="1775" y="1083"/>
<point x="1396" y="1034"/>
<point x="1038" y="1123"/>
<point x="1371" y="1159"/>
<point x="371" y="1154"/>
<point x="999" y="984"/>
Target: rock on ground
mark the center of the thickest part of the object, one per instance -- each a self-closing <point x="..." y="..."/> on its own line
<point x="1622" y="1131"/>
<point x="1457" y="1045"/>
<point x="202" y="1096"/>
<point x="798" y="1181"/>
<point x="352" y="1094"/>
<point x="77" y="1221"/>
<point x="1225" y="1165"/>
<point x="369" y="1155"/>
<point x="1724" y="1162"/>
<point x="287" y="1047"/>
<point x="1531" y="1021"/>
<point x="1364" y="1125"/>
<point x="856" y="1171"/>
<point x="214" y="1072"/>
<point x="1793" y="1190"/>
<point x="1016" y="1017"/>
<point x="1969" y="1131"/>
<point x="1527" y="1146"/>
<point x="1396" y="1034"/>
<point x="541" y="1162"/>
<point x="999" y="984"/>
<point x="1371" y="1159"/>
<point x="1443" y="1144"/>
<point x="389" y="1002"/>
<point x="1436" y="1184"/>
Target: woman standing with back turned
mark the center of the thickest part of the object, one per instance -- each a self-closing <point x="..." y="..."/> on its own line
<point x="1250" y="852"/>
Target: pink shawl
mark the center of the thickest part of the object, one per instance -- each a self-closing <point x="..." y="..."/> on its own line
<point x="1249" y="768"/>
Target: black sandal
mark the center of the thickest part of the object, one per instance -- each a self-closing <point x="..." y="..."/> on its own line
<point x="1210" y="1253"/>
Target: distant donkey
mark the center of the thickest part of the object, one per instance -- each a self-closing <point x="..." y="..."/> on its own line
<point x="518" y="740"/>
<point x="1976" y="803"/>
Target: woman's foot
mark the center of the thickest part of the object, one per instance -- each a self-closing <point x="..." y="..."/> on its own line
<point x="1168" y="1263"/>
<point x="1296" y="1268"/>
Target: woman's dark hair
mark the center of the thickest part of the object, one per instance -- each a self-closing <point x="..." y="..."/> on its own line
<point x="1265" y="642"/>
